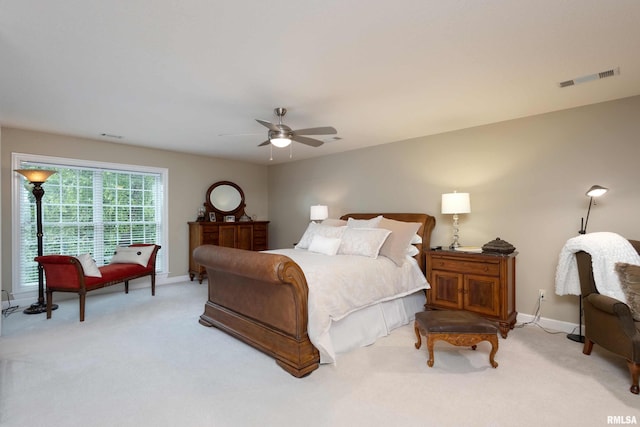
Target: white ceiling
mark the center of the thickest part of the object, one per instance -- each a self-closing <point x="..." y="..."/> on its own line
<point x="179" y="74"/>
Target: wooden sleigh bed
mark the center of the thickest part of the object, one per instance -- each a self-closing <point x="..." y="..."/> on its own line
<point x="262" y="298"/>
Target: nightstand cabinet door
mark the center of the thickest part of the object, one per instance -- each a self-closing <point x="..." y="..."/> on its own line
<point x="446" y="289"/>
<point x="482" y="294"/>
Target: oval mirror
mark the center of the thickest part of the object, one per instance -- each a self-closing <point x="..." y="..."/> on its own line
<point x="225" y="197"/>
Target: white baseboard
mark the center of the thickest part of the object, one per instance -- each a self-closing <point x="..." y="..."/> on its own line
<point x="552" y="324"/>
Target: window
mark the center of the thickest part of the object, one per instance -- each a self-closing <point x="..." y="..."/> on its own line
<point x="87" y="207"/>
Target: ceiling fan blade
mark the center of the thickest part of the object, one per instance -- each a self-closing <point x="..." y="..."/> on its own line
<point x="269" y="125"/>
<point x="307" y="141"/>
<point x="267" y="142"/>
<point x="325" y="130"/>
<point x="239" y="134"/>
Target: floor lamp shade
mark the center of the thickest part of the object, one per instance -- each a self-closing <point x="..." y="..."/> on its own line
<point x="37" y="177"/>
<point x="594" y="191"/>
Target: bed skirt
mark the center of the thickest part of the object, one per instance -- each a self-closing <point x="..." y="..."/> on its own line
<point x="365" y="326"/>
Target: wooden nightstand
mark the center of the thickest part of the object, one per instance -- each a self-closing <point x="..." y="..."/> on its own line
<point x="477" y="282"/>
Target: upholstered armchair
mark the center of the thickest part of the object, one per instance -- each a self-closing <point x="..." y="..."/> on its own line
<point x="608" y="321"/>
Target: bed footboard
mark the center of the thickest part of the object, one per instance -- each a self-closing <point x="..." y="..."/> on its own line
<point x="261" y="299"/>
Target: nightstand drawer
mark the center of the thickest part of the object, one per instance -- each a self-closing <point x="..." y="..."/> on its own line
<point x="465" y="266"/>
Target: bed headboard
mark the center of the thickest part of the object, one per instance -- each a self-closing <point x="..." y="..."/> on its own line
<point x="427" y="223"/>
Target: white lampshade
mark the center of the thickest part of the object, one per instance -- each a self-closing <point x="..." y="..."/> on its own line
<point x="319" y="212"/>
<point x="456" y="203"/>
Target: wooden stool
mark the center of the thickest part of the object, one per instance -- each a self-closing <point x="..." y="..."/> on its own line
<point x="455" y="327"/>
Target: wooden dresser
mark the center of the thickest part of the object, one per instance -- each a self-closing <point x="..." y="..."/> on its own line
<point x="252" y="235"/>
<point x="481" y="283"/>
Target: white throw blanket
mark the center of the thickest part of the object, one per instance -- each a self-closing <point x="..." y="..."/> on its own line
<point x="606" y="249"/>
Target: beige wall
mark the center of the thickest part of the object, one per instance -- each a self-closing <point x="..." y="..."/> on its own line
<point x="526" y="177"/>
<point x="527" y="180"/>
<point x="189" y="178"/>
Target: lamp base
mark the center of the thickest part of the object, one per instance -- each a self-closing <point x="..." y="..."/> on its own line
<point x="576" y="337"/>
<point x="38" y="308"/>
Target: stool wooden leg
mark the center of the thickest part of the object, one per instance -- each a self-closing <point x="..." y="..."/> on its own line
<point x="418" y="343"/>
<point x="430" y="342"/>
<point x="493" y="339"/>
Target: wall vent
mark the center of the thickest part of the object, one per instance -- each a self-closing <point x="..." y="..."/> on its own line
<point x="590" y="77"/>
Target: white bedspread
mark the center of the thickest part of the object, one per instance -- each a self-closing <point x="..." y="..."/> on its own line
<point x="606" y="249"/>
<point x="342" y="284"/>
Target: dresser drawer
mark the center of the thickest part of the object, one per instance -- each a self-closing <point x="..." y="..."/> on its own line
<point x="461" y="266"/>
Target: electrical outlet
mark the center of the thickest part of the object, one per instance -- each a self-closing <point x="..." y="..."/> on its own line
<point x="541" y="294"/>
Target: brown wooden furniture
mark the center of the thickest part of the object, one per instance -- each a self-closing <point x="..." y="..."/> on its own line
<point x="262" y="298"/>
<point x="460" y="328"/>
<point x="251" y="236"/>
<point x="477" y="282"/>
<point x="64" y="273"/>
<point x="225" y="223"/>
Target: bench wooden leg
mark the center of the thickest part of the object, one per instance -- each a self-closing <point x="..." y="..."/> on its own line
<point x="126" y="286"/>
<point x="82" y="298"/>
<point x="493" y="339"/>
<point x="418" y="343"/>
<point x="430" y="342"/>
<point x="153" y="284"/>
<point x="469" y="340"/>
<point x="49" y="303"/>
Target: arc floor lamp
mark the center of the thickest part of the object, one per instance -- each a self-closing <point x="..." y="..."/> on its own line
<point x="37" y="177"/>
<point x="594" y="191"/>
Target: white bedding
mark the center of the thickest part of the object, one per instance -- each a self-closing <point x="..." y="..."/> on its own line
<point x="342" y="284"/>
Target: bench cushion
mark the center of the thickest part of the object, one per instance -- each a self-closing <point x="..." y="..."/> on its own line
<point x="461" y="322"/>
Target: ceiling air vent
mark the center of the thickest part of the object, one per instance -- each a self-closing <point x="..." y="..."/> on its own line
<point x="601" y="75"/>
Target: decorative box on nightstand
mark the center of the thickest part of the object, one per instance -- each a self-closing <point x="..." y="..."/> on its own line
<point x="482" y="283"/>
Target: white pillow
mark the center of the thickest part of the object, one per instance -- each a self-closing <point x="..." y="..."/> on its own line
<point x="363" y="241"/>
<point x="395" y="247"/>
<point x="416" y="239"/>
<point x="412" y="251"/>
<point x="318" y="229"/>
<point x="324" y="245"/>
<point x="133" y="255"/>
<point x="331" y="222"/>
<point x="364" y="223"/>
<point x="89" y="266"/>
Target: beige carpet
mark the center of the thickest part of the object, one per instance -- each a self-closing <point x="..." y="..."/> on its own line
<point x="139" y="360"/>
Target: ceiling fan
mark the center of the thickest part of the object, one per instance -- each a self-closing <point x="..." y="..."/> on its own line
<point x="281" y="135"/>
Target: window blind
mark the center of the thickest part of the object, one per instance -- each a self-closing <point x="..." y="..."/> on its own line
<point x="89" y="210"/>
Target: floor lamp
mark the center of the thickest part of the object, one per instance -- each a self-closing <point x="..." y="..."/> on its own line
<point x="594" y="191"/>
<point x="37" y="177"/>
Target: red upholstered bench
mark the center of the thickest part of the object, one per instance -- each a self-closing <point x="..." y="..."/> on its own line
<point x="64" y="273"/>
